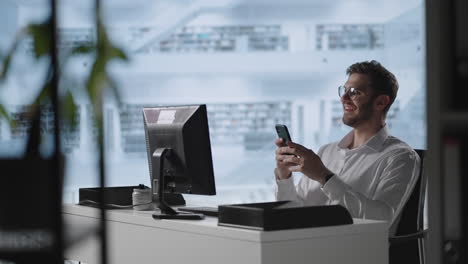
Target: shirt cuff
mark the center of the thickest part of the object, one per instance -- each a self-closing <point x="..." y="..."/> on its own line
<point x="284" y="182"/>
<point x="334" y="188"/>
<point x="285" y="189"/>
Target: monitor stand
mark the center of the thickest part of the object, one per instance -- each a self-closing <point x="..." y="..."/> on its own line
<point x="158" y="182"/>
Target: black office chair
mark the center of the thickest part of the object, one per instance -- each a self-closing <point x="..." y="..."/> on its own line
<point x="407" y="246"/>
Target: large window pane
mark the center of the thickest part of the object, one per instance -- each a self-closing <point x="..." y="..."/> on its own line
<point x="254" y="63"/>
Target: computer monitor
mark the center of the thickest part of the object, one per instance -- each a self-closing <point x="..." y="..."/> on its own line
<point x="179" y="154"/>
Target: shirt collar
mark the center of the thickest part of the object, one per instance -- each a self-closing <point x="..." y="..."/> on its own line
<point x="375" y="142"/>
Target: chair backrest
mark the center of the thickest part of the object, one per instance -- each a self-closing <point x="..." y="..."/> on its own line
<point x="412" y="215"/>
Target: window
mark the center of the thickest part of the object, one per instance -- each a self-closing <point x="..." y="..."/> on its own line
<point x="253" y="69"/>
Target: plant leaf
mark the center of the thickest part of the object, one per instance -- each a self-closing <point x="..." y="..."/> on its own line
<point x="5" y="66"/>
<point x="118" y="54"/>
<point x="4" y="113"/>
<point x="95" y="84"/>
<point x="69" y="110"/>
<point x="106" y="46"/>
<point x="41" y="34"/>
<point x="6" y="62"/>
<point x="84" y="49"/>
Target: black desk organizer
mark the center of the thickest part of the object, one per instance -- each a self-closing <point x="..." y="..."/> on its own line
<point x="281" y="215"/>
<point x="121" y="196"/>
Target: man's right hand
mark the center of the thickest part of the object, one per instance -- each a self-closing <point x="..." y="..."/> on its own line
<point x="282" y="168"/>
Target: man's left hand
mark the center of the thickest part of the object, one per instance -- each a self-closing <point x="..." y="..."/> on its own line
<point x="306" y="162"/>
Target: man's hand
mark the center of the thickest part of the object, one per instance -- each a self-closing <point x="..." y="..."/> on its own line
<point x="296" y="157"/>
<point x="282" y="170"/>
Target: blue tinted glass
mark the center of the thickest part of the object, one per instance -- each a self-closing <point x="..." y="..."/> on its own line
<point x="253" y="69"/>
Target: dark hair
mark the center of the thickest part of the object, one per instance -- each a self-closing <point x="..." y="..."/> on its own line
<point x="382" y="81"/>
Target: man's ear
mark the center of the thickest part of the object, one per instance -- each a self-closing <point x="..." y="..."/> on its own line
<point x="381" y="102"/>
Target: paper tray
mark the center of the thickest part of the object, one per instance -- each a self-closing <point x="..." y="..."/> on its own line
<point x="281" y="215"/>
<point x="120" y="196"/>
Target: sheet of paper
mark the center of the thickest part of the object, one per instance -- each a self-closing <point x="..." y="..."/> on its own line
<point x="166" y="116"/>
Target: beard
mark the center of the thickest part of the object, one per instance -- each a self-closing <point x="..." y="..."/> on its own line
<point x="364" y="114"/>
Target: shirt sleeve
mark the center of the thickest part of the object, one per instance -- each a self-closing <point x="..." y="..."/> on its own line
<point x="287" y="191"/>
<point x="398" y="175"/>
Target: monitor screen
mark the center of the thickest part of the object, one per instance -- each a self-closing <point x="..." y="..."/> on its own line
<point x="181" y="131"/>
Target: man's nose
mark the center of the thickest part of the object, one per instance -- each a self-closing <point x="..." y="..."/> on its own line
<point x="345" y="97"/>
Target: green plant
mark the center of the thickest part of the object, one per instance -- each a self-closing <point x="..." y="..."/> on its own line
<point x="98" y="79"/>
<point x="45" y="45"/>
<point x="40" y="34"/>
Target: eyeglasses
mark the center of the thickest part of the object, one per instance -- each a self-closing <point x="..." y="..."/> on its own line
<point x="351" y="92"/>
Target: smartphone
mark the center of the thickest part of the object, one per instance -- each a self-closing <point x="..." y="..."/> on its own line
<point x="283" y="133"/>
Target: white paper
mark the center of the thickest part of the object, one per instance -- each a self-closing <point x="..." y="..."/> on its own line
<point x="166" y="116"/>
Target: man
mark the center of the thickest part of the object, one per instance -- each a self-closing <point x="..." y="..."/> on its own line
<point x="369" y="172"/>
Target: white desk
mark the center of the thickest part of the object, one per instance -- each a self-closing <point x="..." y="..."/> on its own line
<point x="135" y="237"/>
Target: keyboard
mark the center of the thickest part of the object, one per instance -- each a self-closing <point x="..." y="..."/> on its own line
<point x="208" y="211"/>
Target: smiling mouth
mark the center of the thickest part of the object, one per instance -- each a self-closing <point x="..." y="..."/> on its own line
<point x="349" y="108"/>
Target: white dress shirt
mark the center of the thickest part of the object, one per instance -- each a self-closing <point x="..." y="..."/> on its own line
<point x="373" y="181"/>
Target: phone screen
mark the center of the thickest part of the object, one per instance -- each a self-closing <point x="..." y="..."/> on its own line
<point x="283" y="133"/>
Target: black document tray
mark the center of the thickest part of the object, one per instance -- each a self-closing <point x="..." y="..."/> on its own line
<point x="281" y="215"/>
<point x="120" y="196"/>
